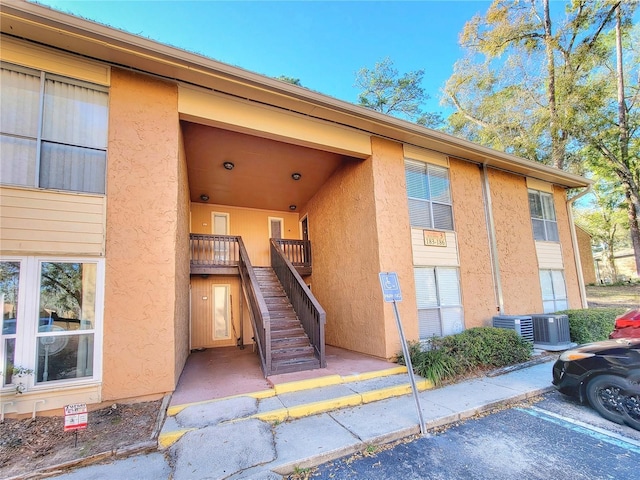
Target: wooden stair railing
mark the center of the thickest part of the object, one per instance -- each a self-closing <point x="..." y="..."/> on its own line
<point x="258" y="311"/>
<point x="312" y="316"/>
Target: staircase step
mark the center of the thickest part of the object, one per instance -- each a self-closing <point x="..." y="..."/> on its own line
<point x="288" y="332"/>
<point x="293" y="353"/>
<point x="284" y="323"/>
<point x="296" y="365"/>
<point x="289" y="342"/>
<point x="291" y="350"/>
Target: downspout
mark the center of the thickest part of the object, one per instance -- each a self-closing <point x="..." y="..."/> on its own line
<point x="493" y="245"/>
<point x="574" y="241"/>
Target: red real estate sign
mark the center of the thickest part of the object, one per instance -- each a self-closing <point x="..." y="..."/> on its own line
<point x="75" y="416"/>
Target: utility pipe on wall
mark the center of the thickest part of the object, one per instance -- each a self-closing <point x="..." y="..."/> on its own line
<point x="493" y="246"/>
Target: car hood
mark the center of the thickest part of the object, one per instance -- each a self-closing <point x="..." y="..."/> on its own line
<point x="609" y="346"/>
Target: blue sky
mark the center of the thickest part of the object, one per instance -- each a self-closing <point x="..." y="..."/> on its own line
<point x="321" y="43"/>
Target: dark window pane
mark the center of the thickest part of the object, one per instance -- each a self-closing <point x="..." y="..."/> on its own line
<point x="63" y="357"/>
<point x="419" y="213"/>
<point x="552" y="232"/>
<point x="535" y="205"/>
<point x="442" y="216"/>
<point x="538" y="229"/>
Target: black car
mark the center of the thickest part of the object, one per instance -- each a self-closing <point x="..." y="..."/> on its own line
<point x="607" y="374"/>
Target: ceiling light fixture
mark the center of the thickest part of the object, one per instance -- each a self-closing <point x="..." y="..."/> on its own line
<point x="296" y="176"/>
<point x="204" y="197"/>
<point x="228" y="165"/>
<point x="292" y="207"/>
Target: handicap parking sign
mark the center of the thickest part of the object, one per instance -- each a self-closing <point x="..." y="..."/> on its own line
<point x="390" y="287"/>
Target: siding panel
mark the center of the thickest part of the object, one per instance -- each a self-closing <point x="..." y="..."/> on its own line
<point x="434" y="256"/>
<point x="46" y="222"/>
<point x="549" y="255"/>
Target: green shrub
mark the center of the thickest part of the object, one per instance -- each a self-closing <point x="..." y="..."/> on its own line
<point x="445" y="358"/>
<point x="488" y="347"/>
<point x="592" y="325"/>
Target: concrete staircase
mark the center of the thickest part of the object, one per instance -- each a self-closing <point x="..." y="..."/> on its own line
<point x="291" y="350"/>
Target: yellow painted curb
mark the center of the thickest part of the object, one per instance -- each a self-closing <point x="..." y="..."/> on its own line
<point x="300" y="385"/>
<point x="279" y="415"/>
<point x="378" y="374"/>
<point x="176" y="409"/>
<point x="165" y="440"/>
<point x="325" y="406"/>
<point x="384" y="393"/>
<point x="297" y="386"/>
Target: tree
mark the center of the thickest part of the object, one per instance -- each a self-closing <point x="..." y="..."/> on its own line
<point x="610" y="126"/>
<point x="554" y="91"/>
<point x="522" y="77"/>
<point x="383" y="90"/>
<point x="606" y="221"/>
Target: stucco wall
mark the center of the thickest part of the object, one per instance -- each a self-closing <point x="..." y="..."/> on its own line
<point x="181" y="315"/>
<point x="516" y="247"/>
<point x="568" y="258"/>
<point x="358" y="226"/>
<point x="143" y="178"/>
<point x="394" y="239"/>
<point x="476" y="279"/>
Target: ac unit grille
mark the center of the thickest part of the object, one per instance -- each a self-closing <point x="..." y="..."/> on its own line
<point x="551" y="329"/>
<point x="522" y="324"/>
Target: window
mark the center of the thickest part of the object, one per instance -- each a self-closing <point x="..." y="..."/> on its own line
<point x="543" y="216"/>
<point x="53" y="131"/>
<point x="439" y="301"/>
<point x="51" y="311"/>
<point x="429" y="196"/>
<point x="554" y="292"/>
<point x="221" y="313"/>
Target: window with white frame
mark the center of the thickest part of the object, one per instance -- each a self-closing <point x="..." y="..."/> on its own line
<point x="554" y="291"/>
<point x="51" y="319"/>
<point x="53" y="131"/>
<point x="429" y="196"/>
<point x="543" y="216"/>
<point x="439" y="301"/>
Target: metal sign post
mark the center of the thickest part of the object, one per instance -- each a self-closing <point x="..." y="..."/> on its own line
<point x="392" y="294"/>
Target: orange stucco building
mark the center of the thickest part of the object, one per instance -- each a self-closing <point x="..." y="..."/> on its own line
<point x="133" y="152"/>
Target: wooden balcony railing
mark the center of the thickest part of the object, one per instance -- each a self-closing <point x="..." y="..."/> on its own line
<point x="298" y="252"/>
<point x="311" y="314"/>
<point x="209" y="251"/>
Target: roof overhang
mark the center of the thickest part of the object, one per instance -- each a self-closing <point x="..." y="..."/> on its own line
<point x="72" y="34"/>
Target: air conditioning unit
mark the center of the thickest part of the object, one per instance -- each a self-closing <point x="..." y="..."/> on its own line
<point x="522" y="324"/>
<point x="551" y="332"/>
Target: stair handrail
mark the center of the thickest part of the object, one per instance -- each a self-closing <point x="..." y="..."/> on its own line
<point x="258" y="312"/>
<point x="312" y="316"/>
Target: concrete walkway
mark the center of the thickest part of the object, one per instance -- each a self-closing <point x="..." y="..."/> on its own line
<point x="271" y="433"/>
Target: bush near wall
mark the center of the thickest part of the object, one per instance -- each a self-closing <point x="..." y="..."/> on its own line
<point x="591" y="325"/>
<point x="445" y="358"/>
